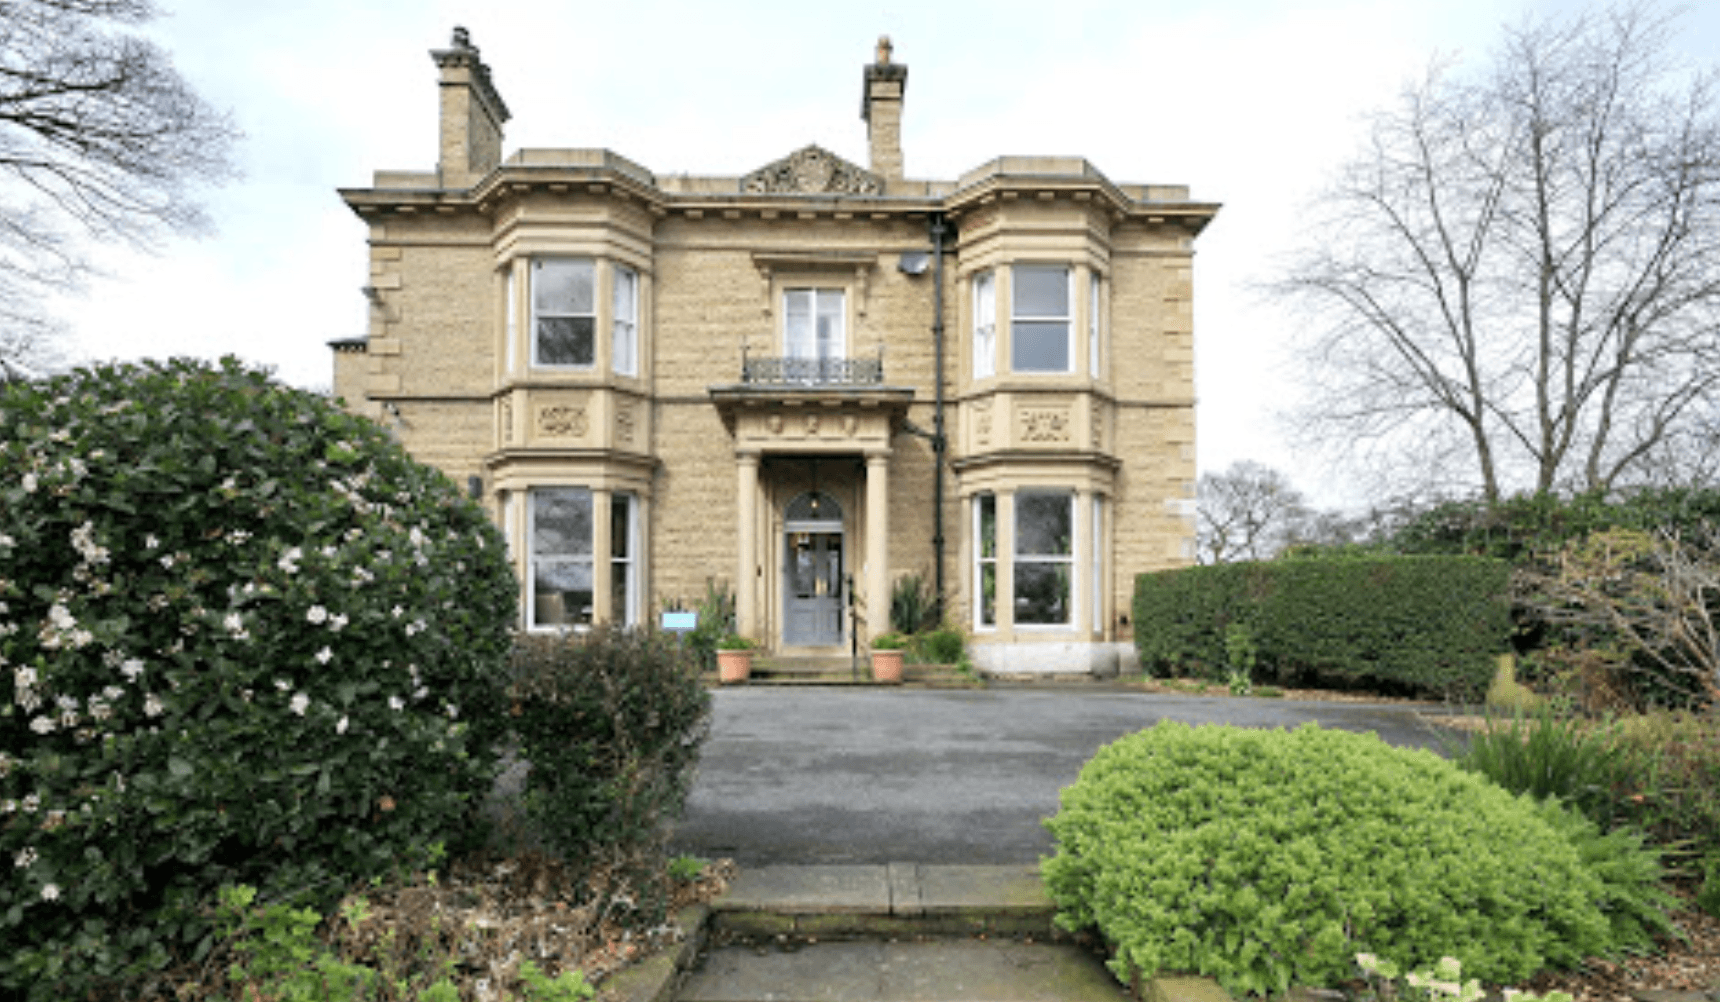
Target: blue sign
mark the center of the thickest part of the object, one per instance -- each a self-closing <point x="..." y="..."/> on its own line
<point x="680" y="622"/>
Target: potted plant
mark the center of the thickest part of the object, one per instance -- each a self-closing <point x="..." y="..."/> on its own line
<point x="734" y="658"/>
<point x="887" y="657"/>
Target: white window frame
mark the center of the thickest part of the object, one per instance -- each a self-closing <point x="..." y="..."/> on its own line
<point x="1067" y="559"/>
<point x="512" y="307"/>
<point x="984" y="324"/>
<point x="538" y="315"/>
<point x="624" y="320"/>
<point x="817" y="298"/>
<point x="1017" y="318"/>
<point x="1093" y="327"/>
<point x="627" y="613"/>
<point x="981" y="562"/>
<point x="1098" y="556"/>
<point x="571" y="618"/>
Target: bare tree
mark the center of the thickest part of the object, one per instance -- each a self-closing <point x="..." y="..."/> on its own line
<point x="1516" y="283"/>
<point x="1247" y="512"/>
<point x="1657" y="594"/>
<point x="100" y="141"/>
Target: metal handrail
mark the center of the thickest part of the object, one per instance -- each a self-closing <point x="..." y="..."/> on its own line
<point x="779" y="371"/>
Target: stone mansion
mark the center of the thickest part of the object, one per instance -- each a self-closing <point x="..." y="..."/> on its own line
<point x="802" y="383"/>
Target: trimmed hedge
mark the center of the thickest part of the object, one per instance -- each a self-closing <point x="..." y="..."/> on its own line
<point x="1270" y="858"/>
<point x="1430" y="623"/>
<point x="244" y="638"/>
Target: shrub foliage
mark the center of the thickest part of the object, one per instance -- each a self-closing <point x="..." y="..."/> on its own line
<point x="611" y="722"/>
<point x="1431" y="623"/>
<point x="1271" y="858"/>
<point x="244" y="638"/>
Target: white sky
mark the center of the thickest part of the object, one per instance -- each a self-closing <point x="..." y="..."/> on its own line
<point x="1251" y="103"/>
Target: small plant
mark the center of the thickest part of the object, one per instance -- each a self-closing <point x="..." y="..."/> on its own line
<point x="734" y="642"/>
<point x="889" y="642"/>
<point x="1544" y="754"/>
<point x="1708" y="899"/>
<point x="570" y="986"/>
<point x="945" y="646"/>
<point x="1443" y="982"/>
<point x="1239" y="683"/>
<point x="686" y="869"/>
<point x="913" y="605"/>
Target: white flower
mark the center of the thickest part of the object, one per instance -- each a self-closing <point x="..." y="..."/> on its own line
<point x="32" y="802"/>
<point x="25" y="857"/>
<point x="396" y="704"/>
<point x="324" y="656"/>
<point x="300" y="703"/>
<point x="42" y="725"/>
<point x="167" y="561"/>
<point x="29" y="483"/>
<point x="316" y="614"/>
<point x="398" y="612"/>
<point x="235" y="624"/>
<point x="282" y="684"/>
<point x="340" y="728"/>
<point x="24" y="678"/>
<point x="61" y="617"/>
<point x="150" y="542"/>
<point x="453" y="712"/>
<point x="152" y="705"/>
<point x="8" y="806"/>
<point x="289" y="561"/>
<point x="131" y="669"/>
<point x="6" y="540"/>
<point x="50" y="892"/>
<point x="238" y="536"/>
<point x="336" y="622"/>
<point x="109" y="692"/>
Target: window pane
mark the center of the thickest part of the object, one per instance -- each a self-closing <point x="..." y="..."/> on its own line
<point x="563" y="287"/>
<point x="988" y="595"/>
<point x="1040" y="292"/>
<point x="620" y="526"/>
<point x="984" y="325"/>
<point x="1038" y="346"/>
<point x="987" y="505"/>
<point x="1044" y="524"/>
<point x="830" y="323"/>
<point x="561" y="522"/>
<point x="797" y="327"/>
<point x="624" y="336"/>
<point x="618" y="594"/>
<point x="564" y="341"/>
<point x="1041" y="593"/>
<point x="561" y="593"/>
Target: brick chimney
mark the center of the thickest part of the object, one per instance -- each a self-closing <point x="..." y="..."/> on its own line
<point x="472" y="114"/>
<point x="881" y="107"/>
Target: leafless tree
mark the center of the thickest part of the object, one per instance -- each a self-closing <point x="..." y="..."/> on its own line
<point x="1247" y="512"/>
<point x="1516" y="283"/>
<point x="1656" y="594"/>
<point x="100" y="141"/>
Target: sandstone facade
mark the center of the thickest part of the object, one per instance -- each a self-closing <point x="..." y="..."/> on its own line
<point x="656" y="383"/>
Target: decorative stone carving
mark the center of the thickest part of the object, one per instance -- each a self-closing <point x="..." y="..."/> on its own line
<point x="562" y="421"/>
<point x="507" y="422"/>
<point x="812" y="424"/>
<point x="1098" y="428"/>
<point x="624" y="424"/>
<point x="812" y="171"/>
<point x="1043" y="424"/>
<point x="982" y="424"/>
<point x="774" y="423"/>
<point x="850" y="425"/>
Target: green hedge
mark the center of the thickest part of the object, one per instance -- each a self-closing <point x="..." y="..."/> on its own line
<point x="1269" y="858"/>
<point x="1431" y="623"/>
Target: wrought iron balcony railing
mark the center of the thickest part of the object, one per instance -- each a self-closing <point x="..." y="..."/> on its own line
<point x="812" y="371"/>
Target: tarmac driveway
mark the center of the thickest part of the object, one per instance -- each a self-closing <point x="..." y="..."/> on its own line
<point x="832" y="775"/>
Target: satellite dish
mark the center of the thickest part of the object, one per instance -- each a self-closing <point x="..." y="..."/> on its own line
<point x="912" y="263"/>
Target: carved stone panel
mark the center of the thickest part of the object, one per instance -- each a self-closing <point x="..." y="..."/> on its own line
<point x="812" y="171"/>
<point x="563" y="420"/>
<point x="626" y="422"/>
<point x="507" y="419"/>
<point x="982" y="424"/>
<point x="1042" y="425"/>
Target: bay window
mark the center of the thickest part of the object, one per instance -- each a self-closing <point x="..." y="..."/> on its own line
<point x="564" y="312"/>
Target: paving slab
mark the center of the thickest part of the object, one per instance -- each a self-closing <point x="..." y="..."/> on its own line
<point x="935" y="971"/>
<point x="804" y="890"/>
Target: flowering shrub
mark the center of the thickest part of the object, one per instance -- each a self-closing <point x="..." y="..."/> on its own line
<point x="244" y="638"/>
<point x="1270" y="858"/>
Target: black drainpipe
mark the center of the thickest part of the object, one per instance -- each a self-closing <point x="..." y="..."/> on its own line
<point x="939" y="228"/>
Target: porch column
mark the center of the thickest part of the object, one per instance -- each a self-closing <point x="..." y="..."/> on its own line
<point x="746" y="574"/>
<point x="877" y="544"/>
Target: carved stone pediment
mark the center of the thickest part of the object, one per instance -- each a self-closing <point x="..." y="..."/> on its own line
<point x="812" y="170"/>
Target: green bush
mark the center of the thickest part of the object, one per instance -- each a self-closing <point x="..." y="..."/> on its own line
<point x="612" y="723"/>
<point x="1271" y="858"/>
<point x="943" y="646"/>
<point x="1429" y="624"/>
<point x="246" y="639"/>
<point x="913" y="605"/>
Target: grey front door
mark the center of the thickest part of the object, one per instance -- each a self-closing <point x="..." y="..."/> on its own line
<point x="812" y="589"/>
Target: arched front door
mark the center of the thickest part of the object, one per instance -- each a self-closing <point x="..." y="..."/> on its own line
<point x="814" y="575"/>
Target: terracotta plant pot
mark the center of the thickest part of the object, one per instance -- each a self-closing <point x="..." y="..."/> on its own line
<point x="733" y="666"/>
<point x="887" y="667"/>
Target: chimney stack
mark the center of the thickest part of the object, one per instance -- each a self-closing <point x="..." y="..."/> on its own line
<point x="472" y="114"/>
<point x="881" y="107"/>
